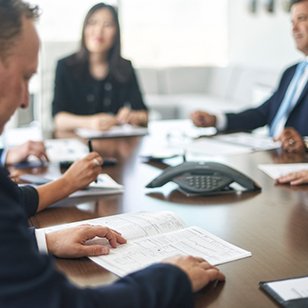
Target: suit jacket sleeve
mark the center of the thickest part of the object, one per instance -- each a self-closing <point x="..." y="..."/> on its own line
<point x="30" y="199"/>
<point x="29" y="279"/>
<point x="264" y="114"/>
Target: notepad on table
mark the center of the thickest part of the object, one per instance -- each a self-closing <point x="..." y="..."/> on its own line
<point x="105" y="185"/>
<point x="291" y="293"/>
<point x="125" y="130"/>
<point x="154" y="236"/>
<point x="277" y="170"/>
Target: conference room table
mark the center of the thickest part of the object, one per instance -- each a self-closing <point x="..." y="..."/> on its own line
<point x="271" y="224"/>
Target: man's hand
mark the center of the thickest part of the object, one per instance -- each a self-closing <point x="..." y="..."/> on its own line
<point x="21" y="153"/>
<point x="71" y="242"/>
<point x="84" y="171"/>
<point x="203" y="119"/>
<point x="199" y="272"/>
<point x="294" y="178"/>
<point x="291" y="141"/>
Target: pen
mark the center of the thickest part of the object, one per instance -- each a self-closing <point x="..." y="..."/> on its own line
<point x="91" y="150"/>
<point x="90" y="145"/>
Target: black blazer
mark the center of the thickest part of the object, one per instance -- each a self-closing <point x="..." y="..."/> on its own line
<point x="29" y="279"/>
<point x="264" y="114"/>
<point x="79" y="93"/>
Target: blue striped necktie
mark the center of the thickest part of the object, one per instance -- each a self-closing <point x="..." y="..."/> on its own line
<point x="285" y="106"/>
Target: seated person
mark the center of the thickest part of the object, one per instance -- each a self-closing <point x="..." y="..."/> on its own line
<point x="96" y="88"/>
<point x="287" y="107"/>
<point x="29" y="278"/>
<point x="22" y="152"/>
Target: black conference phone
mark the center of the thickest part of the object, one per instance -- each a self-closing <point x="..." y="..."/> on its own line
<point x="203" y="178"/>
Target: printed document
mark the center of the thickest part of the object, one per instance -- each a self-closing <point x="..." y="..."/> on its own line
<point x="154" y="236"/>
<point x="253" y="141"/>
<point x="229" y="144"/>
<point x="65" y="149"/>
<point x="277" y="170"/>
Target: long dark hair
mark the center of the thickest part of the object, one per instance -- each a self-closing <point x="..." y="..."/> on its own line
<point x="119" y="68"/>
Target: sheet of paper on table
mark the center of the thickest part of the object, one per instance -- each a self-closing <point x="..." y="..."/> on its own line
<point x="277" y="170"/>
<point x="115" y="131"/>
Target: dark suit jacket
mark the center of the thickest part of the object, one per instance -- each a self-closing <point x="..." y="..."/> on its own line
<point x="29" y="279"/>
<point x="264" y="114"/>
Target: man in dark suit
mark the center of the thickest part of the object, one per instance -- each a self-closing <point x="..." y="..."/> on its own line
<point x="294" y="126"/>
<point x="28" y="278"/>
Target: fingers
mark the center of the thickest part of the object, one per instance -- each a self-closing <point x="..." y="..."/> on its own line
<point x="286" y="178"/>
<point x="215" y="274"/>
<point x="294" y="178"/>
<point x="103" y="121"/>
<point x="110" y="235"/>
<point x="72" y="242"/>
<point x="95" y="250"/>
<point x="95" y="159"/>
<point x="203" y="119"/>
<point x="38" y="149"/>
<point x="291" y="141"/>
<point x="123" y="115"/>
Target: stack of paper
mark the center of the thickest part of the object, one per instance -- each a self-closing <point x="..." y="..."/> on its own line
<point x="253" y="141"/>
<point x="230" y="144"/>
<point x="115" y="131"/>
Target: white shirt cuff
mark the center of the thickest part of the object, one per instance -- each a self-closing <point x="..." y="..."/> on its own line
<point x="41" y="240"/>
<point x="3" y="157"/>
<point x="221" y="121"/>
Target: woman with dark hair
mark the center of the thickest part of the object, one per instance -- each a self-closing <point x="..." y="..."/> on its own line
<point x="96" y="88"/>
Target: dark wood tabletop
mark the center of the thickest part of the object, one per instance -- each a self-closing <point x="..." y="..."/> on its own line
<point x="272" y="224"/>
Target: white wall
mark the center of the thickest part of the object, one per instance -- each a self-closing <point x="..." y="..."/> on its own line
<point x="260" y="40"/>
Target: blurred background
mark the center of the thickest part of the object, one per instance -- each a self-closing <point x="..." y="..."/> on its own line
<point x="189" y="54"/>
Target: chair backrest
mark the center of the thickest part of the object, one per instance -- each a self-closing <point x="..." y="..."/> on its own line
<point x="50" y="53"/>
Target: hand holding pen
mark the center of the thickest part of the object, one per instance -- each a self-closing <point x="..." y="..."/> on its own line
<point x="96" y="162"/>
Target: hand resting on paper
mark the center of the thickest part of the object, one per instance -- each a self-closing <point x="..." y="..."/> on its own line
<point x="23" y="151"/>
<point x="294" y="178"/>
<point x="71" y="242"/>
<point x="199" y="272"/>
